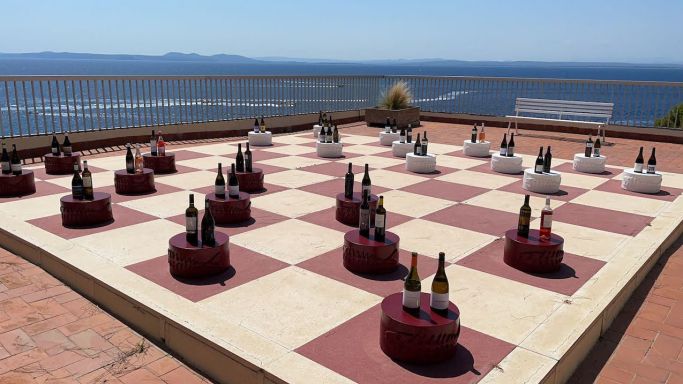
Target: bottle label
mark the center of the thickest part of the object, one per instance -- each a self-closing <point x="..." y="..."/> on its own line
<point x="380" y="220"/>
<point x="510" y="151"/>
<point x="191" y="224"/>
<point x="411" y="299"/>
<point x="650" y="169"/>
<point x="16" y="167"/>
<point x="589" y="145"/>
<point x="439" y="300"/>
<point x="539" y="168"/>
<point x="596" y="152"/>
<point x="67" y="150"/>
<point x="234" y="190"/>
<point x="546" y="221"/>
<point x="5" y="166"/>
<point x="77" y="192"/>
<point x="364" y="220"/>
<point x="55" y="150"/>
<point x="220" y="190"/>
<point x="162" y="150"/>
<point x="365" y="187"/>
<point x="153" y="144"/>
<point x="87" y="182"/>
<point x="402" y="139"/>
<point x="638" y="167"/>
<point x="503" y="151"/>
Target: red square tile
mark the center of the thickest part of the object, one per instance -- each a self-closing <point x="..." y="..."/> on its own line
<point x="445" y="190"/>
<point x="335" y="168"/>
<point x="565" y="193"/>
<point x="326" y="218"/>
<point x="161" y="189"/>
<point x="666" y="193"/>
<point x="486" y="168"/>
<point x="569" y="168"/>
<point x="261" y="155"/>
<point x="352" y="350"/>
<point x="573" y="273"/>
<point x="268" y="169"/>
<point x="331" y="188"/>
<point x="123" y="217"/>
<point x="246" y="266"/>
<point x="259" y="219"/>
<point x="267" y="189"/>
<point x="330" y="265"/>
<point x="388" y="153"/>
<point x="40" y="172"/>
<point x="43" y="188"/>
<point x="440" y="171"/>
<point x="184" y="154"/>
<point x="478" y="219"/>
<point x="603" y="219"/>
<point x="345" y="156"/>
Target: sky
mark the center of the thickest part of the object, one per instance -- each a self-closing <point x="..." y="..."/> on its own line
<point x="636" y="31"/>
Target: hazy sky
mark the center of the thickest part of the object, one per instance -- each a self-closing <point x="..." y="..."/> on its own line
<point x="553" y="30"/>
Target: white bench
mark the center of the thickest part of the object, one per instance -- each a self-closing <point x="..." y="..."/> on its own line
<point x="561" y="109"/>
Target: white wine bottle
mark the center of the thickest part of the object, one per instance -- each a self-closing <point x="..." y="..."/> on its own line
<point x="438" y="300"/>
<point x="412" y="287"/>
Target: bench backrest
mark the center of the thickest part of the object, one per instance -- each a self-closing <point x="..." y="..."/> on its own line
<point x="564" y="107"/>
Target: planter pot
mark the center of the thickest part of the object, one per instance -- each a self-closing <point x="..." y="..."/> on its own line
<point x="377" y="117"/>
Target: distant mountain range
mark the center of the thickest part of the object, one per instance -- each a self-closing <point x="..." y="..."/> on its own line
<point x="237" y="59"/>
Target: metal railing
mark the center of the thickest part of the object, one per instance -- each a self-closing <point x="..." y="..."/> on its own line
<point x="39" y="105"/>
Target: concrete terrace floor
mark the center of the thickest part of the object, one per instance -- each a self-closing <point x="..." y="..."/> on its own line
<point x="50" y="334"/>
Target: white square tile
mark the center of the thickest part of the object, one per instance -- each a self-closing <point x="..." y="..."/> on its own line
<point x="189" y="180"/>
<point x="33" y="208"/>
<point x="457" y="162"/>
<point x="511" y="202"/>
<point x="366" y="149"/>
<point x="165" y="205"/>
<point x="478" y="179"/>
<point x="291" y="241"/>
<point x="588" y="242"/>
<point x="294" y="178"/>
<point x="293" y="202"/>
<point x="281" y="305"/>
<point x="430" y="238"/>
<point x="412" y="204"/>
<point x="358" y="139"/>
<point x="291" y="150"/>
<point x="391" y="179"/>
<point x="377" y="161"/>
<point x="440" y="149"/>
<point x="582" y="181"/>
<point x="623" y="203"/>
<point x="292" y="139"/>
<point x="207" y="163"/>
<point x="293" y="162"/>
<point x="99" y="179"/>
<point x="219" y="149"/>
<point x="110" y="163"/>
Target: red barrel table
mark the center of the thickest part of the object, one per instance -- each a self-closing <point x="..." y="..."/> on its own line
<point x="348" y="210"/>
<point x="85" y="213"/>
<point x="366" y="255"/>
<point x="134" y="183"/>
<point x="61" y="165"/>
<point x="187" y="260"/>
<point x="159" y="164"/>
<point x="427" y="337"/>
<point x="226" y="210"/>
<point x="251" y="181"/>
<point x="531" y="254"/>
<point x="19" y="185"/>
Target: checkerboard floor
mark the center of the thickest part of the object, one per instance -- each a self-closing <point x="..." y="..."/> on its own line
<point x="288" y="305"/>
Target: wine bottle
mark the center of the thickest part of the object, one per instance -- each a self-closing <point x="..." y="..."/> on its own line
<point x="474" y="134"/>
<point x="482" y="134"/>
<point x="546" y="220"/>
<point x="88" y="193"/>
<point x="348" y="183"/>
<point x="329" y="121"/>
<point x="191" y="219"/>
<point x="652" y="163"/>
<point x="263" y="125"/>
<point x="638" y="167"/>
<point x="394" y="126"/>
<point x="66" y="146"/>
<point x="547" y="160"/>
<point x="219" y="184"/>
<point x="320" y="118"/>
<point x="417" y="148"/>
<point x="335" y="135"/>
<point x="597" y="146"/>
<point x="425" y="142"/>
<point x="153" y="144"/>
<point x="538" y="168"/>
<point x="15" y="162"/>
<point x="412" y="287"/>
<point x="4" y="160"/>
<point x="364" y="216"/>
<point x="161" y="145"/>
<point x="248" y="160"/>
<point x="589" y="147"/>
<point x="329" y="134"/>
<point x="409" y="134"/>
<point x="139" y="163"/>
<point x="208" y="226"/>
<point x="504" y="146"/>
<point x="130" y="161"/>
<point x="77" y="183"/>
<point x="387" y="126"/>
<point x="524" y="218"/>
<point x="402" y="136"/>
<point x="233" y="184"/>
<point x="511" y="145"/>
<point x="257" y="126"/>
<point x="380" y="220"/>
<point x="239" y="159"/>
<point x="365" y="183"/>
<point x="55" y="145"/>
<point x="439" y="301"/>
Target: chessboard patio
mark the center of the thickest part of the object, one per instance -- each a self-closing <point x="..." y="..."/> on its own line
<point x="289" y="311"/>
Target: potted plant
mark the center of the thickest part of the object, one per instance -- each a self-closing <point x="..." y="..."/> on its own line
<point x="394" y="104"/>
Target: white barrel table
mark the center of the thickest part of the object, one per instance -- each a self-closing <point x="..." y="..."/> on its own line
<point x="401" y="149"/>
<point x="316" y="130"/>
<point x="641" y="182"/>
<point x="546" y="183"/>
<point x="330" y="150"/>
<point x="387" y="138"/>
<point x="504" y="164"/>
<point x="420" y="164"/>
<point x="258" y="139"/>
<point x="478" y="149"/>
<point x="593" y="164"/>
